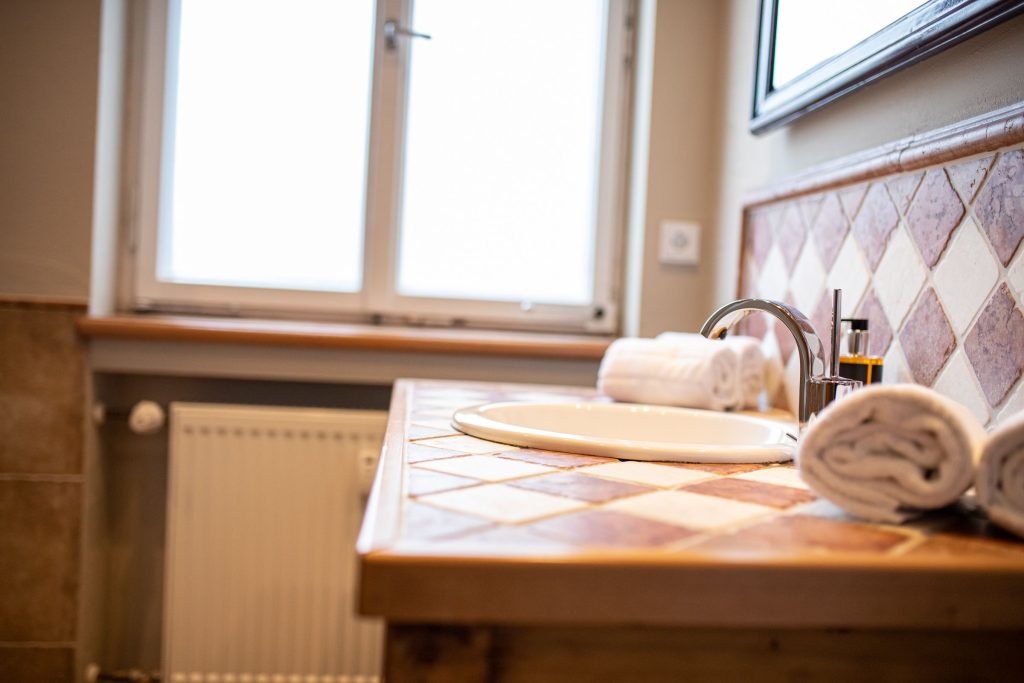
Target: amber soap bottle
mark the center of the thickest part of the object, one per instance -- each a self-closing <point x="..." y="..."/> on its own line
<point x="857" y="364"/>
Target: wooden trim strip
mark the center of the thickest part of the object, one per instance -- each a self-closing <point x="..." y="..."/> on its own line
<point x="344" y="336"/>
<point x="67" y="304"/>
<point x="984" y="133"/>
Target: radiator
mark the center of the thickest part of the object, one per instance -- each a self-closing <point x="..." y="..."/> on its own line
<point x="264" y="505"/>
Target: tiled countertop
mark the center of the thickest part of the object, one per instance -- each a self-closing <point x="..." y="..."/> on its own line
<point x="459" y="529"/>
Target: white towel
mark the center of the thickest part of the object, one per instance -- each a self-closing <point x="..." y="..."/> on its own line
<point x="693" y="373"/>
<point x="1000" y="477"/>
<point x="750" y="371"/>
<point x="886" y="453"/>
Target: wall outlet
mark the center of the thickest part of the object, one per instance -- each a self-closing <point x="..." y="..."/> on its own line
<point x="680" y="243"/>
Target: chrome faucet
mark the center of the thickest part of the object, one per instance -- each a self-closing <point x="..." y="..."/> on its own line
<point x="819" y="384"/>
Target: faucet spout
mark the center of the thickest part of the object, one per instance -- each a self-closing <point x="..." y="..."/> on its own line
<point x="810" y="350"/>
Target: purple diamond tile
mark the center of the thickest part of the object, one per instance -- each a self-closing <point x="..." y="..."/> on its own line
<point x="851" y="197"/>
<point x="759" y="235"/>
<point x="995" y="347"/>
<point x="830" y="230"/>
<point x="902" y="189"/>
<point x="967" y="176"/>
<point x="936" y="212"/>
<point x="879" y="330"/>
<point x="789" y="235"/>
<point x="874" y="222"/>
<point x="809" y="207"/>
<point x="821" y="318"/>
<point x="927" y="339"/>
<point x="1000" y="205"/>
<point x="755" y="325"/>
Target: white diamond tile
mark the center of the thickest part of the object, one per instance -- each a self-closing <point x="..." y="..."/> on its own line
<point x="850" y="274"/>
<point x="1014" y="405"/>
<point x="502" y="503"/>
<point x="691" y="510"/>
<point x="663" y="476"/>
<point x="808" y="279"/>
<point x="895" y="369"/>
<point x="781" y="476"/>
<point x="966" y="276"/>
<point x="957" y="382"/>
<point x="444" y="424"/>
<point x="1015" y="277"/>
<point x="791" y="379"/>
<point x="466" y="444"/>
<point x="486" y="467"/>
<point x="771" y="283"/>
<point x="899" y="277"/>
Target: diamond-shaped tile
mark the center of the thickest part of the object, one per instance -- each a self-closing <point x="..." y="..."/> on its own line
<point x="1000" y="206"/>
<point x="875" y="220"/>
<point x="849" y="274"/>
<point x="485" y="467"/>
<point x="899" y="277"/>
<point x="967" y="176"/>
<point x="555" y="458"/>
<point x="896" y="370"/>
<point x="783" y="340"/>
<point x="966" y="275"/>
<point x="748" y="278"/>
<point x="691" y="510"/>
<point x="808" y="279"/>
<point x="759" y="234"/>
<point x="936" y="212"/>
<point x="1014" y="405"/>
<point x="465" y="444"/>
<point x="579" y="486"/>
<point x="754" y="326"/>
<point x="830" y="230"/>
<point x="902" y="187"/>
<point x="606" y="528"/>
<point x="790" y="233"/>
<point x="1015" y="276"/>
<point x="994" y="345"/>
<point x="649" y="473"/>
<point x="780" y="497"/>
<point x="958" y="383"/>
<point x="780" y="476"/>
<point x="800" y="534"/>
<point x="809" y="207"/>
<point x="774" y="276"/>
<point x="421" y="482"/>
<point x="879" y="330"/>
<point x="821" y="318"/>
<point x="502" y="503"/>
<point x="851" y="197"/>
<point x="425" y="521"/>
<point x="927" y="339"/>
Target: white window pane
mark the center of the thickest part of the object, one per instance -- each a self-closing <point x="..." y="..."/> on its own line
<point x="269" y="144"/>
<point x="501" y="160"/>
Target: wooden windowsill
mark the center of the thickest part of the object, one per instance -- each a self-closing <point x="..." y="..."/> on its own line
<point x="343" y="336"/>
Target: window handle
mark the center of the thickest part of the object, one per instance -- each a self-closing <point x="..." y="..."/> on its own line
<point x="392" y="30"/>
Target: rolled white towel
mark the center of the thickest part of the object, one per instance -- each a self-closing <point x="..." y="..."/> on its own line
<point x="1000" y="477"/>
<point x="886" y="453"/>
<point x="750" y="371"/>
<point x="690" y="373"/>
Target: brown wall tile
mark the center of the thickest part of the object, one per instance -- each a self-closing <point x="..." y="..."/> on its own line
<point x="39" y="536"/>
<point x="42" y="391"/>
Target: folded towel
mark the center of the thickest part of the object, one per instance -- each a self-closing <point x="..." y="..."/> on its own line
<point x="751" y="368"/>
<point x="1000" y="477"/>
<point x="886" y="453"/>
<point x="694" y="372"/>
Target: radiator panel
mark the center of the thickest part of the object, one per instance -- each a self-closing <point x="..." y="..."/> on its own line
<point x="264" y="506"/>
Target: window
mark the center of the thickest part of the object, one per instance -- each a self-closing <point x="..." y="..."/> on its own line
<point x="317" y="158"/>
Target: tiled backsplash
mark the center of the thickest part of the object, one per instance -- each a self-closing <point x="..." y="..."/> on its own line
<point x="931" y="257"/>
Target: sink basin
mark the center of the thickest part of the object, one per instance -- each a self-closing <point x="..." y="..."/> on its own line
<point x="631" y="431"/>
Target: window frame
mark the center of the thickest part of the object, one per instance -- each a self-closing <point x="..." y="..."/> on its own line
<point x="378" y="300"/>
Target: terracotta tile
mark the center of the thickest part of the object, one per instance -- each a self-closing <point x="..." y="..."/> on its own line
<point x="830" y="230"/>
<point x="936" y="212"/>
<point x="956" y="545"/>
<point x="752" y="492"/>
<point x="1000" y="205"/>
<point x="42" y="391"/>
<point x="420" y="482"/>
<point x="37" y="664"/>
<point x="879" y="331"/>
<point x="555" y="458"/>
<point x="790" y="234"/>
<point x="780" y="475"/>
<point x="927" y="339"/>
<point x="39" y="535"/>
<point x="580" y="486"/>
<point x="851" y="197"/>
<point x="759" y="235"/>
<point x="901" y="189"/>
<point x="994" y="345"/>
<point x="967" y="176"/>
<point x="484" y="467"/>
<point x="426" y="521"/>
<point x="799" y="533"/>
<point x="720" y="468"/>
<point x="875" y="220"/>
<point x="414" y="452"/>
<point x="605" y="528"/>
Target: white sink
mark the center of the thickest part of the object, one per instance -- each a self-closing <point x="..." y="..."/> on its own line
<point x="631" y="431"/>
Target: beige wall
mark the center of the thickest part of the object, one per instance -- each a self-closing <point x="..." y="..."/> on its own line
<point x="977" y="76"/>
<point x="48" y="59"/>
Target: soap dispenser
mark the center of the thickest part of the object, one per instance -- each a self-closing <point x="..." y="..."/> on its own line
<point x="856" y="363"/>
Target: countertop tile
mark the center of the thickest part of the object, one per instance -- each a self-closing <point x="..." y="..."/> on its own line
<point x="502" y="503"/>
<point x="734" y="488"/>
<point x="555" y="458"/>
<point x="652" y="474"/>
<point x="690" y="510"/>
<point x="485" y="467"/>
<point x="580" y="486"/>
<point x="792" y="534"/>
<point x="604" y="528"/>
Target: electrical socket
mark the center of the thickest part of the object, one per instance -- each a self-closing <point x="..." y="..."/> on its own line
<point x="680" y="243"/>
